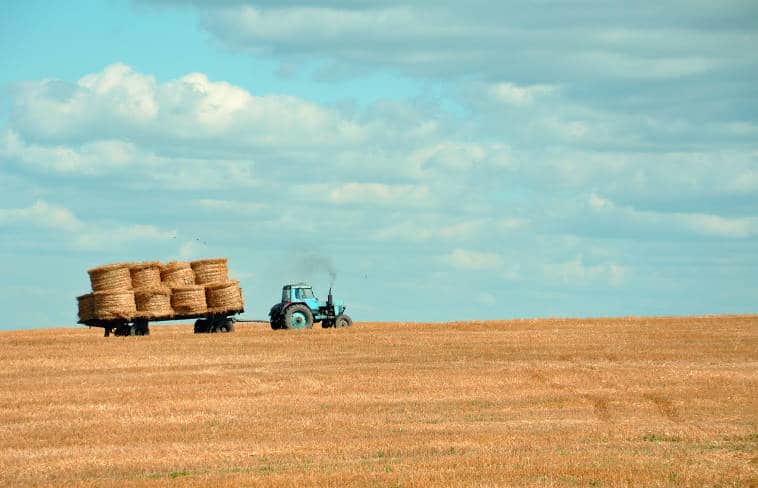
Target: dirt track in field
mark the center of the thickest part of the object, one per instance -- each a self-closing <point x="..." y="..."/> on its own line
<point x="601" y="402"/>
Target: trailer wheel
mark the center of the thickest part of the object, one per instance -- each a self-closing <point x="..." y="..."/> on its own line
<point x="298" y="317"/>
<point x="226" y="325"/>
<point x="343" y="321"/>
<point x="201" y="326"/>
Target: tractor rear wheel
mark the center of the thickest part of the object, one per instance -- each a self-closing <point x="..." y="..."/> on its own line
<point x="343" y="321"/>
<point x="298" y="317"/>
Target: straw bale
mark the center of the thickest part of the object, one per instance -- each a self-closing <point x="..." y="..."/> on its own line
<point x="146" y="274"/>
<point x="111" y="277"/>
<point x="188" y="299"/>
<point x="153" y="302"/>
<point x="177" y="273"/>
<point x="210" y="271"/>
<point x="114" y="304"/>
<point x="86" y="306"/>
<point x="222" y="297"/>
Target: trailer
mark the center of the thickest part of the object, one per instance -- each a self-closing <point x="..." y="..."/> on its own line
<point x="205" y="323"/>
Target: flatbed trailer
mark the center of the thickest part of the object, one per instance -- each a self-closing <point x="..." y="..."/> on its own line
<point x="139" y="325"/>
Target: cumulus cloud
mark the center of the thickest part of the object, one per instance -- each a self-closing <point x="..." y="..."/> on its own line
<point x="77" y="233"/>
<point x="42" y="214"/>
<point x="651" y="223"/>
<point x="575" y="272"/>
<point x="474" y="260"/>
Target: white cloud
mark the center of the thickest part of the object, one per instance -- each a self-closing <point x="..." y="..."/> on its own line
<point x="238" y="207"/>
<point x="42" y="214"/>
<point x="576" y="273"/>
<point x="512" y="94"/>
<point x="474" y="260"/>
<point x="365" y="194"/>
<point x="650" y="222"/>
<point x="77" y="233"/>
<point x="100" y="237"/>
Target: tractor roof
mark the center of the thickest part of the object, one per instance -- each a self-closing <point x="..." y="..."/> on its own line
<point x="298" y="285"/>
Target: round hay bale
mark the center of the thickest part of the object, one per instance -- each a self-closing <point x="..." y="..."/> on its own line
<point x="110" y="277"/>
<point x="153" y="302"/>
<point x="222" y="297"/>
<point x="86" y="307"/>
<point x="210" y="271"/>
<point x="177" y="273"/>
<point x="188" y="299"/>
<point x="115" y="304"/>
<point x="145" y="275"/>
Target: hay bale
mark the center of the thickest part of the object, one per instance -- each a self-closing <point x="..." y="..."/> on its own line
<point x="145" y="275"/>
<point x="86" y="307"/>
<point x="110" y="277"/>
<point x="187" y="300"/>
<point x="177" y="273"/>
<point x="115" y="304"/>
<point x="209" y="271"/>
<point x="153" y="303"/>
<point x="222" y="297"/>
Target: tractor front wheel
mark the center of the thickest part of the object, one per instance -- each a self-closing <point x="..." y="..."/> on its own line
<point x="343" y="321"/>
<point x="298" y="317"/>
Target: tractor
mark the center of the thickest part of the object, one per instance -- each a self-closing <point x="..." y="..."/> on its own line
<point x="300" y="308"/>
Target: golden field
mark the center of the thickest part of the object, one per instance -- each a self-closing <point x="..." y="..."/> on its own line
<point x="553" y="402"/>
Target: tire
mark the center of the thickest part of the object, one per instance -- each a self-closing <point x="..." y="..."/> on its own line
<point x="201" y="326"/>
<point x="298" y="317"/>
<point x="275" y="323"/>
<point x="223" y="326"/>
<point x="343" y="321"/>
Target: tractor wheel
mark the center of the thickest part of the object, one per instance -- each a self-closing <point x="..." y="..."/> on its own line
<point x="276" y="323"/>
<point x="298" y="317"/>
<point x="201" y="326"/>
<point x="343" y="321"/>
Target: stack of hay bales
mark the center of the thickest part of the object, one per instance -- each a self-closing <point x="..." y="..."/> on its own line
<point x="221" y="294"/>
<point x="153" y="299"/>
<point x="113" y="297"/>
<point x="152" y="290"/>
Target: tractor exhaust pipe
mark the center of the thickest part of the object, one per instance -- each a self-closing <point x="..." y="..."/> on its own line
<point x="330" y="301"/>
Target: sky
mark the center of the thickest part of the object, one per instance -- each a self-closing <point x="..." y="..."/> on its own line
<point x="432" y="160"/>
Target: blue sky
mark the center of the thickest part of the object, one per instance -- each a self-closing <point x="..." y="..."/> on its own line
<point x="448" y="161"/>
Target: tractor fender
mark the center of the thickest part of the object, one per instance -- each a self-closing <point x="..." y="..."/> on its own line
<point x="288" y="305"/>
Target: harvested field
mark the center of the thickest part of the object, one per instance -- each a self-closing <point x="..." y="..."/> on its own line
<point x="596" y="402"/>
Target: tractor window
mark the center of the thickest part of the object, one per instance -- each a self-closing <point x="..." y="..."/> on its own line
<point x="285" y="295"/>
<point x="305" y="293"/>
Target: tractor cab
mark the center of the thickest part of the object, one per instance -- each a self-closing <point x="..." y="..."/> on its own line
<point x="300" y="309"/>
<point x="300" y="292"/>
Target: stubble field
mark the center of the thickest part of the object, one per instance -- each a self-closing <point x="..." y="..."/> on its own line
<point x="580" y="402"/>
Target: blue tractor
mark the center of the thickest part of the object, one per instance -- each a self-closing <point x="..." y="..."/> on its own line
<point x="300" y="308"/>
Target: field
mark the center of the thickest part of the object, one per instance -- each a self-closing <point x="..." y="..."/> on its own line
<point x="553" y="402"/>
